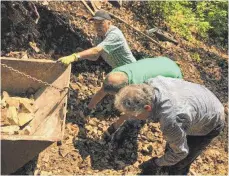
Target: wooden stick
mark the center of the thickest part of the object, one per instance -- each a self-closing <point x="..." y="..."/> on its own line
<point x="145" y="35"/>
<point x="91" y="11"/>
<point x="93" y="5"/>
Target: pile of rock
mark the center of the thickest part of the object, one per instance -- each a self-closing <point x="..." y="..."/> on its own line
<point x="16" y="113"/>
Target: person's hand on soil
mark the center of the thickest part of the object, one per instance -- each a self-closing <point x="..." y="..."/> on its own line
<point x="69" y="59"/>
<point x="117" y="138"/>
<point x="119" y="135"/>
<point x="91" y="105"/>
<point x="150" y="167"/>
<point x="108" y="133"/>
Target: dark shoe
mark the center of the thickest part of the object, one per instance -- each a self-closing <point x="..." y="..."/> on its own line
<point x="176" y="171"/>
<point x="150" y="167"/>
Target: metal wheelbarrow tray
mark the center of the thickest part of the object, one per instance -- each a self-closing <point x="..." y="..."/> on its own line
<point x="49" y="121"/>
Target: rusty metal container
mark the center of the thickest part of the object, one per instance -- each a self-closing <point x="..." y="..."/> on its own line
<point x="49" y="121"/>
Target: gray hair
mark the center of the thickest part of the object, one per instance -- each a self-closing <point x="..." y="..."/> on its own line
<point x="132" y="99"/>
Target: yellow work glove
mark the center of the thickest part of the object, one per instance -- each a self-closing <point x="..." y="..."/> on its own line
<point x="69" y="59"/>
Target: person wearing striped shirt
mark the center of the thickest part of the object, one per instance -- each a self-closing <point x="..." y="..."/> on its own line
<point x="113" y="49"/>
<point x="190" y="116"/>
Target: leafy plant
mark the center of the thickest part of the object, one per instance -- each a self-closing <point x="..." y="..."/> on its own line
<point x="196" y="57"/>
<point x="205" y="19"/>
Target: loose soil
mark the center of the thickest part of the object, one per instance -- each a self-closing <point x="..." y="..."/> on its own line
<point x="64" y="28"/>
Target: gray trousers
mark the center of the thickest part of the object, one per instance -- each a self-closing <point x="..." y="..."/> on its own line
<point x="196" y="144"/>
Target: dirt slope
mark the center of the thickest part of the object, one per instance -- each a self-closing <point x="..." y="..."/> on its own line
<point x="63" y="28"/>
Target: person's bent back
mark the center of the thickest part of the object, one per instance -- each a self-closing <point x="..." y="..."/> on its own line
<point x="140" y="71"/>
<point x="136" y="73"/>
<point x="190" y="116"/>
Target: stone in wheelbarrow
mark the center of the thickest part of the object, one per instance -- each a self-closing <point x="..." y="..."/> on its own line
<point x="48" y="123"/>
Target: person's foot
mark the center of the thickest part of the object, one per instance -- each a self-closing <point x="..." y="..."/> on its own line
<point x="150" y="167"/>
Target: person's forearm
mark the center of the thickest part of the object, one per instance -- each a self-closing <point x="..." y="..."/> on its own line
<point x="90" y="54"/>
<point x="120" y="121"/>
<point x="143" y="116"/>
<point x="97" y="98"/>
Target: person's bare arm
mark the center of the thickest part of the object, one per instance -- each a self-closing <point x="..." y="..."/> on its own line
<point x="91" y="54"/>
<point x="121" y="120"/>
<point x="97" y="98"/>
<point x="143" y="116"/>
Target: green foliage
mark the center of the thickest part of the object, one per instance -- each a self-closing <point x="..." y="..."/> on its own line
<point x="196" y="57"/>
<point x="194" y="18"/>
<point x="217" y="15"/>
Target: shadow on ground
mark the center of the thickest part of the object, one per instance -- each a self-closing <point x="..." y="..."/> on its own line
<point x="102" y="157"/>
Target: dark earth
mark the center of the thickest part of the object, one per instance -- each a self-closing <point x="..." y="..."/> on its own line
<point x="64" y="28"/>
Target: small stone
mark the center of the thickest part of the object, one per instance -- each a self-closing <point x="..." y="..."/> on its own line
<point x="100" y="127"/>
<point x="45" y="158"/>
<point x="88" y="161"/>
<point x="133" y="156"/>
<point x="4" y="120"/>
<point x="150" y="136"/>
<point x="64" y="152"/>
<point x="81" y="114"/>
<point x="130" y="146"/>
<point x="12" y="102"/>
<point x="27" y="130"/>
<point x="75" y="86"/>
<point x="120" y="164"/>
<point x="36" y="172"/>
<point x="80" y="78"/>
<point x="102" y="142"/>
<point x="91" y="86"/>
<point x="139" y="145"/>
<point x="156" y="134"/>
<point x="92" y="122"/>
<point x="5" y="94"/>
<point x="3" y="103"/>
<point x="150" y="148"/>
<point x="30" y="173"/>
<point x="26" y="105"/>
<point x="95" y="130"/>
<point x="121" y="151"/>
<point x="100" y="132"/>
<point x="12" y="115"/>
<point x="45" y="173"/>
<point x="85" y="88"/>
<point x="34" y="46"/>
<point x="136" y="164"/>
<point x="13" y="129"/>
<point x="145" y="150"/>
<point x="24" y="118"/>
<point x="75" y="129"/>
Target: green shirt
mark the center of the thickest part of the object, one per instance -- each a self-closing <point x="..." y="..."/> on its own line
<point x="116" y="51"/>
<point x="144" y="69"/>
